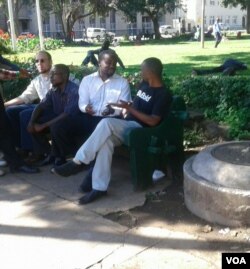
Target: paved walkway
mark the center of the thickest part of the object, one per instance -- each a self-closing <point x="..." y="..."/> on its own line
<point x="42" y="227"/>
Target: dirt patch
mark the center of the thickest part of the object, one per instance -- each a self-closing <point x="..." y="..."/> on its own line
<point x="166" y="209"/>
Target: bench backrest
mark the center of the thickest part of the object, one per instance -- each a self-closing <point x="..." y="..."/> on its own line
<point x="178" y="108"/>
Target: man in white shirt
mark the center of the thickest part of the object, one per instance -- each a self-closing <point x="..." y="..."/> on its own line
<point x="19" y="109"/>
<point x="217" y="32"/>
<point x="95" y="93"/>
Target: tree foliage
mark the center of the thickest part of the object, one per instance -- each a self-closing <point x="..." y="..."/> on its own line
<point x="245" y="4"/>
<point x="69" y="11"/>
<point x="153" y="8"/>
<point x="17" y="6"/>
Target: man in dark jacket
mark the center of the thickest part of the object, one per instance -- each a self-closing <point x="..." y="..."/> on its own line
<point x="60" y="102"/>
<point x="229" y="68"/>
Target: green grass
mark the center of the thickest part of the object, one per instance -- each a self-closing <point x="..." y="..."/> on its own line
<point x="178" y="57"/>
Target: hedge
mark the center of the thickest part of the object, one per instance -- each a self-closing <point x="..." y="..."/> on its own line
<point x="225" y="99"/>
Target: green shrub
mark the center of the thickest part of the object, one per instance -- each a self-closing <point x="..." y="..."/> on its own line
<point x="225" y="99"/>
<point x="33" y="44"/>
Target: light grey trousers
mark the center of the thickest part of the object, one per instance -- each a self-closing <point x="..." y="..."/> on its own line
<point x="110" y="132"/>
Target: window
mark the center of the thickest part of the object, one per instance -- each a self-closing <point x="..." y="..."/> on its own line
<point x="102" y="22"/>
<point x="112" y="18"/>
<point x="92" y="21"/>
<point x="227" y="20"/>
<point x="211" y="20"/>
<point x="81" y="25"/>
<point x="58" y="25"/>
<point x="146" y="23"/>
<point x="234" y="20"/>
<point x="46" y="24"/>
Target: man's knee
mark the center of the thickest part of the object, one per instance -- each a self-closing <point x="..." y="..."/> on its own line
<point x="59" y="127"/>
<point x="12" y="110"/>
<point x="107" y="122"/>
<point x="25" y="116"/>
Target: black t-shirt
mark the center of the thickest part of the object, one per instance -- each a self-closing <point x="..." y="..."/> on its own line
<point x="151" y="101"/>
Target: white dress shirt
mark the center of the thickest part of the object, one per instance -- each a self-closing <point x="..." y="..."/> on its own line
<point x="98" y="93"/>
<point x="37" y="89"/>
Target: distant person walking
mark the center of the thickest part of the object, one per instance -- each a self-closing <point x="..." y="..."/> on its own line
<point x="217" y="32"/>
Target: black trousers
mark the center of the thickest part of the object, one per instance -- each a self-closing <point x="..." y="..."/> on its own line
<point x="6" y="143"/>
<point x="70" y="133"/>
<point x="90" y="58"/>
<point x="40" y="140"/>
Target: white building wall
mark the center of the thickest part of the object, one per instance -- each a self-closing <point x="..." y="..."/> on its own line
<point x="213" y="9"/>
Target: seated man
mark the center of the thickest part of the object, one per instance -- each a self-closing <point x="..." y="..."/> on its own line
<point x="148" y="109"/>
<point x="16" y="164"/>
<point x="60" y="102"/>
<point x="92" y="59"/>
<point x="96" y="91"/>
<point x="19" y="109"/>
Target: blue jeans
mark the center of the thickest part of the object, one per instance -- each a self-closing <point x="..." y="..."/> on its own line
<point x="19" y="117"/>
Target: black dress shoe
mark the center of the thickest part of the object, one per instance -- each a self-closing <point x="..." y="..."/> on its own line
<point x="68" y="169"/>
<point x="48" y="160"/>
<point x="91" y="196"/>
<point x="24" y="169"/>
<point x="86" y="185"/>
<point x="59" y="161"/>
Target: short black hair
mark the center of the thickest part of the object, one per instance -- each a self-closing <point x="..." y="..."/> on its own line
<point x="46" y="53"/>
<point x="111" y="54"/>
<point x="64" y="69"/>
<point x="154" y="65"/>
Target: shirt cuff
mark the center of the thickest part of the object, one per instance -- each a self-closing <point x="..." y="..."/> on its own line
<point x="117" y="112"/>
<point x="83" y="108"/>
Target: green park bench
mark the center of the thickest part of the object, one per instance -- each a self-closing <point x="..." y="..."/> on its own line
<point x="157" y="147"/>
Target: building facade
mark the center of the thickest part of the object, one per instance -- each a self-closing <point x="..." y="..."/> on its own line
<point x="115" y="21"/>
<point x="233" y="17"/>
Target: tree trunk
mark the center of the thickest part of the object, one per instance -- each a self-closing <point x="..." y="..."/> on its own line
<point x="71" y="18"/>
<point x="248" y="18"/>
<point x="69" y="26"/>
<point x="156" y="27"/>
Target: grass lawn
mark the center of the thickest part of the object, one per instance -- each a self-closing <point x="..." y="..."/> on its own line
<point x="178" y="58"/>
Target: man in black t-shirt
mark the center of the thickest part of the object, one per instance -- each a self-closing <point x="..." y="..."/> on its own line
<point x="148" y="109"/>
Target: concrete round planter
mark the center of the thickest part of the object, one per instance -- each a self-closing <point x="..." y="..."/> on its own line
<point x="217" y="189"/>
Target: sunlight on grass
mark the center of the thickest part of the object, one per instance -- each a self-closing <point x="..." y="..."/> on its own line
<point x="179" y="58"/>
